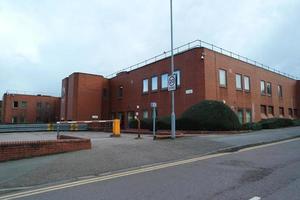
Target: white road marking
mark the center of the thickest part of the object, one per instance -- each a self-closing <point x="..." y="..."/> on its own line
<point x="131" y="172"/>
<point x="255" y="198"/>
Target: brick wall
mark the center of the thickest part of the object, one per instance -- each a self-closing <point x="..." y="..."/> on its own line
<point x="26" y="149"/>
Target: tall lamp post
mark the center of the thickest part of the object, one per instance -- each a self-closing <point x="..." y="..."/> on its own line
<point x="173" y="125"/>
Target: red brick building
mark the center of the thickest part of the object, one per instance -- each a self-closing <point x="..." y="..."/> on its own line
<point x="0" y="112"/>
<point x="22" y="108"/>
<point x="252" y="90"/>
<point x="84" y="97"/>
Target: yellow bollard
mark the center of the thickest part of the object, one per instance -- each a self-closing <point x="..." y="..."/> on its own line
<point x="116" y="128"/>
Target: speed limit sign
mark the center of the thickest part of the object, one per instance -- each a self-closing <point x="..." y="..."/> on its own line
<point x="172" y="82"/>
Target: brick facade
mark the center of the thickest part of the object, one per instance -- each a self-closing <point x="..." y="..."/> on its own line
<point x="27" y="149"/>
<point x="84" y="96"/>
<point x="21" y="108"/>
<point x="199" y="79"/>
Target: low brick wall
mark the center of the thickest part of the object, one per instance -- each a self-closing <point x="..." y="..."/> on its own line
<point x="27" y="149"/>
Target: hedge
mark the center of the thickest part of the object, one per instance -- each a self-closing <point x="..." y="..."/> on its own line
<point x="273" y="123"/>
<point x="209" y="115"/>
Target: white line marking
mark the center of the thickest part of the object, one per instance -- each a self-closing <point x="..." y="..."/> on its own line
<point x="255" y="198"/>
<point x="131" y="172"/>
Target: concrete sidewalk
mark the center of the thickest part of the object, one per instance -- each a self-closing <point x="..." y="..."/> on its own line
<point x="114" y="154"/>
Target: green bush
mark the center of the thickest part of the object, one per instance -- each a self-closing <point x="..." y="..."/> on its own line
<point x="209" y="115"/>
<point x="164" y="123"/>
<point x="273" y="123"/>
<point x="296" y="122"/>
<point x="252" y="126"/>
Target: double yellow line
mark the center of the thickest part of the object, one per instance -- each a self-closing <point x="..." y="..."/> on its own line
<point x="127" y="173"/>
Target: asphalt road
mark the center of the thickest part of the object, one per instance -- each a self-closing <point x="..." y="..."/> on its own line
<point x="270" y="172"/>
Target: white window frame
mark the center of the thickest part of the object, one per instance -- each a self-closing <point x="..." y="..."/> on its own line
<point x="225" y="78"/>
<point x="154" y="82"/>
<point x="238" y="82"/>
<point x="164" y="81"/>
<point x="247" y="85"/>
<point x="145" y="85"/>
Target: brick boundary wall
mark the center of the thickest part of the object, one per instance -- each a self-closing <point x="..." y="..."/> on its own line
<point x="26" y="149"/>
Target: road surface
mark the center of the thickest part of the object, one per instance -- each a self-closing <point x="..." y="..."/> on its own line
<point x="268" y="172"/>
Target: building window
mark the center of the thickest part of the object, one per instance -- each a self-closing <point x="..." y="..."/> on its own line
<point x="295" y="113"/>
<point x="145" y="114"/>
<point x="177" y="72"/>
<point x="23" y="104"/>
<point x="263" y="87"/>
<point x="269" y="88"/>
<point x="280" y="93"/>
<point x="240" y="114"/>
<point x="154" y="86"/>
<point x="281" y="112"/>
<point x="271" y="111"/>
<point x="130" y="116"/>
<point x="39" y="105"/>
<point x="120" y="91"/>
<point x="15" y="104"/>
<point x="238" y="81"/>
<point x="263" y="111"/>
<point x="145" y="86"/>
<point x="247" y="83"/>
<point x="14" y="120"/>
<point x="248" y="116"/>
<point x="222" y="78"/>
<point x="290" y="112"/>
<point x="164" y="81"/>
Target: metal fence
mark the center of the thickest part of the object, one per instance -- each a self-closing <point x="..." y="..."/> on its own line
<point x="7" y="128"/>
<point x="200" y="43"/>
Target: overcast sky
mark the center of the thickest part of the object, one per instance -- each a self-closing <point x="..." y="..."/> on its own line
<point x="43" y="41"/>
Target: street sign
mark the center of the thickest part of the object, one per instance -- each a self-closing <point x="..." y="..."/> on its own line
<point x="172" y="82"/>
<point x="153" y="104"/>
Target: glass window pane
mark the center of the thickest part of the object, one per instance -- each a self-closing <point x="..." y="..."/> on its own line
<point x="238" y="81"/>
<point x="262" y="87"/>
<point x="154" y="83"/>
<point x="164" y="81"/>
<point x="248" y="116"/>
<point x="178" y="77"/>
<point x="240" y="116"/>
<point x="269" y="88"/>
<point x="246" y="83"/>
<point x="145" y="114"/>
<point x="222" y="77"/>
<point x="280" y="93"/>
<point x="145" y="85"/>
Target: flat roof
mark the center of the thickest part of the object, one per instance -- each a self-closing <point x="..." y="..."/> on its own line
<point x="200" y="44"/>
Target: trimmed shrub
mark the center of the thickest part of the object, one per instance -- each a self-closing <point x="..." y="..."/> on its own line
<point x="164" y="123"/>
<point x="273" y="123"/>
<point x="296" y="122"/>
<point x="252" y="126"/>
<point x="209" y="115"/>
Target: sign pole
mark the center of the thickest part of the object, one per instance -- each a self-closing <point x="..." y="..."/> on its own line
<point x="173" y="126"/>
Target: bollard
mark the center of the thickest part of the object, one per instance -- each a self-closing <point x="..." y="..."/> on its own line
<point x="116" y="128"/>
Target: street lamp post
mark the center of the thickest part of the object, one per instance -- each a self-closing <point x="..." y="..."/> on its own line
<point x="173" y="125"/>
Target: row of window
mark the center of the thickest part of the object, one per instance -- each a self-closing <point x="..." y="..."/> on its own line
<point x="163" y="79"/>
<point x="16" y="104"/>
<point x="269" y="111"/>
<point x="242" y="82"/>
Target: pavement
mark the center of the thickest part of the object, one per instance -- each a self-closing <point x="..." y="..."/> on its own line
<point x="109" y="155"/>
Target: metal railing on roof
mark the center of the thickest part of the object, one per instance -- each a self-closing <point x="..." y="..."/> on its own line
<point x="200" y="43"/>
<point x="29" y="93"/>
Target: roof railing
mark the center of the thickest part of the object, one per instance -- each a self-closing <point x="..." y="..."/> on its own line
<point x="195" y="44"/>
